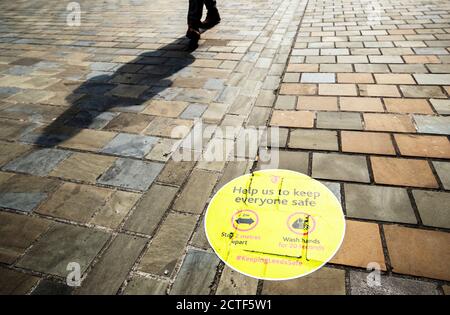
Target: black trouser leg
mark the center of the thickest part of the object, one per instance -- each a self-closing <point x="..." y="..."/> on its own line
<point x="211" y="4"/>
<point x="195" y="12"/>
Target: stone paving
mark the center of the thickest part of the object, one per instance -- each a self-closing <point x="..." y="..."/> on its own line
<point x="88" y="172"/>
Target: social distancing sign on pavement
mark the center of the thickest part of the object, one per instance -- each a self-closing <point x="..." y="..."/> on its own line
<point x="275" y="224"/>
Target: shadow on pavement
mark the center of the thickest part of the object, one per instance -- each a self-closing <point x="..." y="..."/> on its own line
<point x="102" y="97"/>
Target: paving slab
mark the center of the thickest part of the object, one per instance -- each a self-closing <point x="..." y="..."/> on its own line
<point x="132" y="174"/>
<point x="61" y="245"/>
<point x="389" y="285"/>
<point x="196" y="274"/>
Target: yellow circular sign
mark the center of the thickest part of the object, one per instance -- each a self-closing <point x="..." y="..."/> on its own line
<point x="275" y="224"/>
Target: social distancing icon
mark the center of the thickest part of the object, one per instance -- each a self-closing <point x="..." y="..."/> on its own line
<point x="275" y="224"/>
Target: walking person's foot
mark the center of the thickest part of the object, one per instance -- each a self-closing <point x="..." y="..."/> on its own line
<point x="212" y="19"/>
<point x="193" y="33"/>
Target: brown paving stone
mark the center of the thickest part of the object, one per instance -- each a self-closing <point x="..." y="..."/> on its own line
<point x="11" y="150"/>
<point x="17" y="233"/>
<point x="303" y="68"/>
<point x="196" y="192"/>
<point x="378" y="90"/>
<point x="235" y="283"/>
<point x="388" y="122"/>
<point x="421" y="59"/>
<point x="84" y="167"/>
<point x="169" y="127"/>
<point x="115" y="209"/>
<point x="390" y="78"/>
<point x="176" y="172"/>
<point x="361" y="246"/>
<point x="425" y="146"/>
<point x="313" y="139"/>
<point x="61" y="245"/>
<point x="151" y="209"/>
<point x="355" y="78"/>
<point x="129" y="122"/>
<point x="300" y="119"/>
<point x="118" y="260"/>
<point x="75" y="202"/>
<point x="418" y="252"/>
<point x="316" y="103"/>
<point x="338" y="89"/>
<point x="16" y="283"/>
<point x="168" y="245"/>
<point x="361" y="104"/>
<point x="89" y="140"/>
<point x="367" y="142"/>
<point x="165" y="108"/>
<point x="5" y="176"/>
<point x="323" y="281"/>
<point x="298" y="89"/>
<point x="402" y="172"/>
<point x="407" y="105"/>
<point x="146" y="286"/>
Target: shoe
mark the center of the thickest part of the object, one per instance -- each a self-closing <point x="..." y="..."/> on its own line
<point x="193" y="34"/>
<point x="212" y="19"/>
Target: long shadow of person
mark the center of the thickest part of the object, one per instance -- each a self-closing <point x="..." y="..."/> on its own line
<point x="97" y="100"/>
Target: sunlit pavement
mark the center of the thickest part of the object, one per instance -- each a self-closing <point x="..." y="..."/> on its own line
<point x="359" y="90"/>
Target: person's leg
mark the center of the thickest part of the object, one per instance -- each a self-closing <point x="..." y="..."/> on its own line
<point x="211" y="4"/>
<point x="213" y="17"/>
<point x="195" y="12"/>
<point x="194" y="19"/>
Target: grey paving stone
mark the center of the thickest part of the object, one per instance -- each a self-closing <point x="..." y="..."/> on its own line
<point x="340" y="167"/>
<point x="125" y="144"/>
<point x="436" y="79"/>
<point x="443" y="171"/>
<point x="434" y="207"/>
<point x="235" y="283"/>
<point x="193" y="111"/>
<point x="289" y="160"/>
<point x="168" y="244"/>
<point x="196" y="274"/>
<point x="146" y="286"/>
<point x="441" y="106"/>
<point x="313" y="139"/>
<point x="61" y="245"/>
<point x="389" y="286"/>
<point x="113" y="267"/>
<point x="339" y="120"/>
<point x="232" y="170"/>
<point x="25" y="193"/>
<point x="318" y="78"/>
<point x="432" y="124"/>
<point x="274" y="137"/>
<point x="335" y="188"/>
<point x="286" y="102"/>
<point x="378" y="203"/>
<point x="199" y="239"/>
<point x="39" y="162"/>
<point x="214" y="84"/>
<point x="151" y="209"/>
<point x="47" y="287"/>
<point x="25" y="201"/>
<point x="127" y="173"/>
